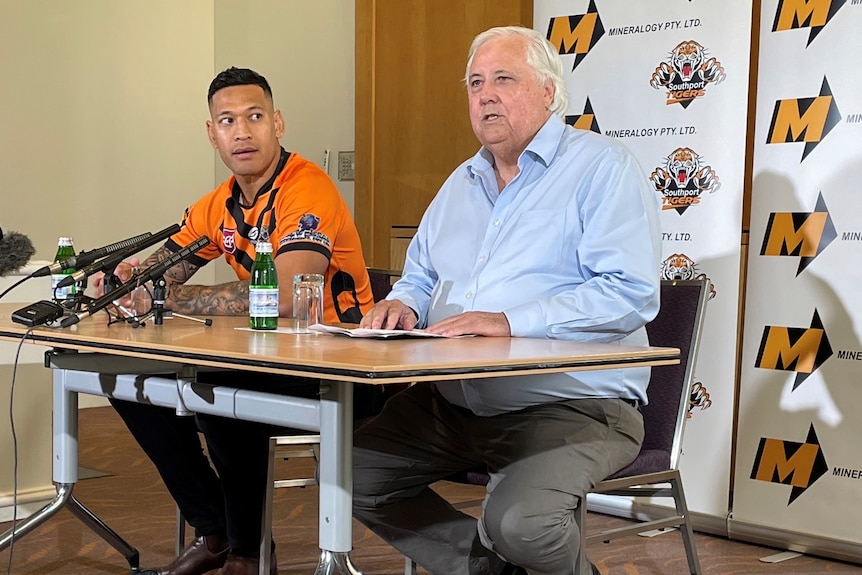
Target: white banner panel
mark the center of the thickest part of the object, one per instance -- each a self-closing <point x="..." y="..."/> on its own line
<point x="670" y="79"/>
<point x="799" y="464"/>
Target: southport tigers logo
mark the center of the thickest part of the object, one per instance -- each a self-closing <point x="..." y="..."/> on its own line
<point x="682" y="179"/>
<point x="681" y="267"/>
<point x="698" y="398"/>
<point x="686" y="73"/>
<point x="585" y="121"/>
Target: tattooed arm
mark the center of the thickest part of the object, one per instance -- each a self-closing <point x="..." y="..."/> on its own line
<point x="225" y="299"/>
<point x="232" y="298"/>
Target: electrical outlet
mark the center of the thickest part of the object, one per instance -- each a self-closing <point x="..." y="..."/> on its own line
<point x="346" y="165"/>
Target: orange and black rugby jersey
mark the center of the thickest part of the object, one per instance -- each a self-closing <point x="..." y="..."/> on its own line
<point x="298" y="209"/>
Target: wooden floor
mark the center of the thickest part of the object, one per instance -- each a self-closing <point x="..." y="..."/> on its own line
<point x="132" y="500"/>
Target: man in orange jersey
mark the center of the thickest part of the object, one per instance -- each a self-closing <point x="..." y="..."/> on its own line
<point x="276" y="195"/>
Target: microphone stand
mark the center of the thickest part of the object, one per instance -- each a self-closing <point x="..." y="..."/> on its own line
<point x="158" y="311"/>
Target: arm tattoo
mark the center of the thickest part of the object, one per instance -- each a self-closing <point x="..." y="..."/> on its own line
<point x="225" y="299"/>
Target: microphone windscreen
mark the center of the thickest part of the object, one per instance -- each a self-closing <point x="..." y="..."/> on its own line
<point x="15" y="251"/>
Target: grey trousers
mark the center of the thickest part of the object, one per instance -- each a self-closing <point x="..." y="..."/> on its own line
<point x="541" y="460"/>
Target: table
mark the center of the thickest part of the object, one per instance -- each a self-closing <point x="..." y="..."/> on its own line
<point x="181" y="347"/>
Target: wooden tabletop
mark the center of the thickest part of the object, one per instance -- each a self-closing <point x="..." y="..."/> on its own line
<point x="334" y="357"/>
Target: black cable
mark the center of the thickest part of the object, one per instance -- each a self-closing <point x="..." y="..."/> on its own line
<point x="16" y="284"/>
<point x="14" y="451"/>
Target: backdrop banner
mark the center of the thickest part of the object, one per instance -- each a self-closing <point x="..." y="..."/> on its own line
<point x="670" y="79"/>
<point x="798" y="461"/>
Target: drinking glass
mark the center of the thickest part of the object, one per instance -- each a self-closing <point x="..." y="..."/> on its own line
<point x="307" y="301"/>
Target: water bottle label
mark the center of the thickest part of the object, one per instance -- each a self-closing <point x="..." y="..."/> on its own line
<point x="62" y="293"/>
<point x="263" y="302"/>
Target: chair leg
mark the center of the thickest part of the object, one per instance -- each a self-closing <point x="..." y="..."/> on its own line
<point x="409" y="566"/>
<point x="685" y="529"/>
<point x="181" y="532"/>
<point x="266" y="521"/>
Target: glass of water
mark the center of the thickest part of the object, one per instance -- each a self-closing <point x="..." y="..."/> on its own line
<point x="307" y="301"/>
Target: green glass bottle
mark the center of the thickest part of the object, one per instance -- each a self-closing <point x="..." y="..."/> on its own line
<point x="65" y="250"/>
<point x="263" y="289"/>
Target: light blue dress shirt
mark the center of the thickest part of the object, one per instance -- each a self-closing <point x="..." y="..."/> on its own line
<point x="569" y="250"/>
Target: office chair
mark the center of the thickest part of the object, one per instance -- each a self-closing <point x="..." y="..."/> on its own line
<point x="654" y="472"/>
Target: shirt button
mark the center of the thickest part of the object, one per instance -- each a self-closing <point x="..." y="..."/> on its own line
<point x="481" y="258"/>
<point x="469" y="294"/>
<point x="496" y="222"/>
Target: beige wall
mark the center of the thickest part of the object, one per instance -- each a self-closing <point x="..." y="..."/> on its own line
<point x="105" y="102"/>
<point x="305" y="50"/>
<point x="104" y="107"/>
<point x="103" y="129"/>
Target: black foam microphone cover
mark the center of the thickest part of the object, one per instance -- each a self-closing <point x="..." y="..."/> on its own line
<point x="15" y="251"/>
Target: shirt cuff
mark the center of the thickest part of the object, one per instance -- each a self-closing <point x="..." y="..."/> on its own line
<point x="527" y="320"/>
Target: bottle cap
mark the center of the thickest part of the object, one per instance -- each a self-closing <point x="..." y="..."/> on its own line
<point x="263" y="247"/>
<point x="64" y="241"/>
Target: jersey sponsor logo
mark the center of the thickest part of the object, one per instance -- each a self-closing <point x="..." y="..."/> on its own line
<point x="576" y="34"/>
<point x="799" y="234"/>
<point x="686" y="73"/>
<point x="790" y="463"/>
<point x="682" y="180"/>
<point x="228" y="240"/>
<point x="308" y="222"/>
<point x="806" y="120"/>
<point x="799" y="14"/>
<point x="799" y="349"/>
<point x="307" y="232"/>
<point x="585" y="121"/>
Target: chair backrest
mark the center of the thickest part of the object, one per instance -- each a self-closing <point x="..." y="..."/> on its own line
<point x="381" y="282"/>
<point x="678" y="324"/>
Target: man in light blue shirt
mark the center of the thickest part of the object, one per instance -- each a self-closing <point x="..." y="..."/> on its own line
<point x="547" y="232"/>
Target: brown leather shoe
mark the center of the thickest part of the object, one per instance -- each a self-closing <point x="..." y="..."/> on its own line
<point x="236" y="565"/>
<point x="202" y="555"/>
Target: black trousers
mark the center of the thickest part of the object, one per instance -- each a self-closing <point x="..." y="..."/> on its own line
<point x="227" y="500"/>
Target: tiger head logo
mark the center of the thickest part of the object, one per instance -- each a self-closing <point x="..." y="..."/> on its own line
<point x="682" y="180"/>
<point x="686" y="73"/>
<point x="681" y="164"/>
<point x="680" y="267"/>
<point x="686" y="59"/>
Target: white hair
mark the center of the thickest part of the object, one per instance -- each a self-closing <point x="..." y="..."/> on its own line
<point x="541" y="57"/>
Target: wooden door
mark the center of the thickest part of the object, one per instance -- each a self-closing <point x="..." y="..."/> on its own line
<point x="412" y="127"/>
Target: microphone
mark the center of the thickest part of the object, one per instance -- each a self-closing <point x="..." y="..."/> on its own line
<point x="86" y="258"/>
<point x="111" y="262"/>
<point x="15" y="251"/>
<point x="149" y="274"/>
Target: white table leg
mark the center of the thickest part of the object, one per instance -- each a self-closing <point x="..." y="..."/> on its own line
<point x="336" y="479"/>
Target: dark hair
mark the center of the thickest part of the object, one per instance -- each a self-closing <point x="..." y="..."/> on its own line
<point x="237" y="77"/>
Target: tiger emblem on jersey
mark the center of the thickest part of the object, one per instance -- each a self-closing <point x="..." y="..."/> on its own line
<point x="686" y="73"/>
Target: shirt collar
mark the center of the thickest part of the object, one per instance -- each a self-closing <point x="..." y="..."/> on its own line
<point x="542" y="147"/>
